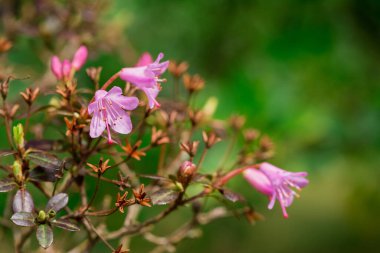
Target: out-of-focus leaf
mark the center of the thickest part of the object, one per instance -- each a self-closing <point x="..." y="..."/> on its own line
<point x="6" y="153"/>
<point x="45" y="174"/>
<point x="23" y="219"/>
<point x="155" y="177"/>
<point x="65" y="224"/>
<point x="44" y="236"/>
<point x="23" y="202"/>
<point x="230" y="195"/>
<point x="164" y="196"/>
<point x="45" y="145"/>
<point x="7" y="185"/>
<point x="57" y="202"/>
<point x="45" y="160"/>
<point x="201" y="178"/>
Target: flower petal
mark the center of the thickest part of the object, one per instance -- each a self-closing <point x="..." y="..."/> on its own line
<point x="97" y="125"/>
<point x="259" y="181"/>
<point x="139" y="76"/>
<point x="151" y="94"/>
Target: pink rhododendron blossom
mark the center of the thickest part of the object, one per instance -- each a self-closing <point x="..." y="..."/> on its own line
<point x="79" y="58"/>
<point x="109" y="111"/>
<point x="145" y="76"/>
<point x="276" y="183"/>
<point x="62" y="70"/>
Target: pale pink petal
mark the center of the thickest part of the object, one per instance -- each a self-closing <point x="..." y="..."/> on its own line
<point x="92" y="107"/>
<point x="151" y="94"/>
<point x="114" y="92"/>
<point x="138" y="76"/>
<point x="127" y="103"/>
<point x="80" y="57"/>
<point x="97" y="126"/>
<point x="99" y="94"/>
<point x="118" y="119"/>
<point x="144" y="60"/>
<point x="259" y="181"/>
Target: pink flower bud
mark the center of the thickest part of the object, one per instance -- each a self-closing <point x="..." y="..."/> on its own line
<point x="79" y="57"/>
<point x="187" y="169"/>
<point x="56" y="67"/>
<point x="144" y="60"/>
<point x="66" y="68"/>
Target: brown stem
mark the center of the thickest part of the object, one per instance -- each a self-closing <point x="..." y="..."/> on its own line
<point x="93" y="195"/>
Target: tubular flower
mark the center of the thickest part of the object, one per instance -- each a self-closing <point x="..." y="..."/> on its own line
<point x="109" y="111"/>
<point x="62" y="70"/>
<point x="276" y="183"/>
<point x="145" y="76"/>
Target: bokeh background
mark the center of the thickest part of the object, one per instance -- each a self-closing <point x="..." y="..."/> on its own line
<point x="306" y="72"/>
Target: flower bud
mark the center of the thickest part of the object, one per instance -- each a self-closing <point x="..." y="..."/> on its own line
<point x="66" y="68"/>
<point x="41" y="218"/>
<point x="80" y="57"/>
<point x="18" y="137"/>
<point x="4" y="86"/>
<point x="56" y="67"/>
<point x="187" y="169"/>
<point x="17" y="171"/>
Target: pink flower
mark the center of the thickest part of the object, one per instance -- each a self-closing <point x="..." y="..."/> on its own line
<point x="79" y="58"/>
<point x="62" y="70"/>
<point x="276" y="183"/>
<point x="145" y="76"/>
<point x="109" y="111"/>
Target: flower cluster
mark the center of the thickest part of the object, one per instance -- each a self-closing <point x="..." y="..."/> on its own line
<point x="105" y="146"/>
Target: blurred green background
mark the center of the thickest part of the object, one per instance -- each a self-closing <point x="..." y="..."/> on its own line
<point x="307" y="73"/>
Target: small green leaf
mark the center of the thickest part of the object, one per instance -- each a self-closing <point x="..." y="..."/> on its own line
<point x="164" y="196"/>
<point x="65" y="224"/>
<point x="44" y="235"/>
<point x="23" y="219"/>
<point x="7" y="185"/>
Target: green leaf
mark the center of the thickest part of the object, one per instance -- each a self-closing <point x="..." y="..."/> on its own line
<point x="23" y="219"/>
<point x="44" y="235"/>
<point x="7" y="185"/>
<point x="65" y="224"/>
<point x="164" y="196"/>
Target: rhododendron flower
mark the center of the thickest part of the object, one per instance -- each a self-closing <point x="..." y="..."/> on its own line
<point x="62" y="70"/>
<point x="276" y="183"/>
<point x="145" y="76"/>
<point x="109" y="111"/>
